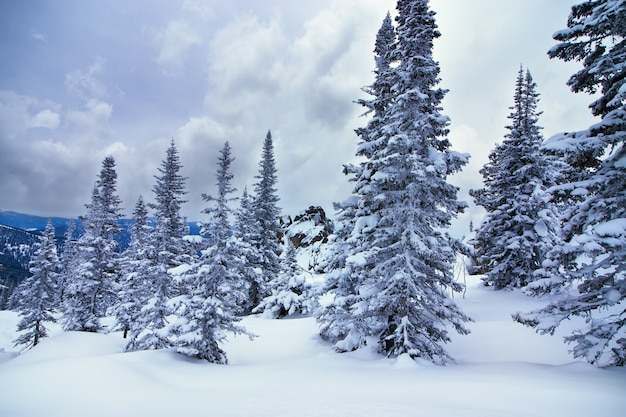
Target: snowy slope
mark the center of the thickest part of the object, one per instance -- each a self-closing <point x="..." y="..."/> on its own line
<point x="503" y="369"/>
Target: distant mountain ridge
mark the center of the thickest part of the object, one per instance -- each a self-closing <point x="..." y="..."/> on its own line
<point x="33" y="223"/>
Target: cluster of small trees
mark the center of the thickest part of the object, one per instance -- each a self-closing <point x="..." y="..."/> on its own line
<point x="555" y="224"/>
<point x="167" y="289"/>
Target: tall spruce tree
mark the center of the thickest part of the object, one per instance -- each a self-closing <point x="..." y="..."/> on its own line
<point x="137" y="269"/>
<point x="591" y="277"/>
<point x="169" y="192"/>
<point x="521" y="225"/>
<point x="402" y="275"/>
<point x="210" y="308"/>
<point x="266" y="238"/>
<point x="36" y="297"/>
<point x="347" y="238"/>
<point x="92" y="288"/>
<point x="355" y="217"/>
<point x="171" y="251"/>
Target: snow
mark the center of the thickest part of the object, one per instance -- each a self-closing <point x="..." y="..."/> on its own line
<point x="615" y="227"/>
<point x="179" y="271"/>
<point x="357" y="259"/>
<point x="196" y="239"/>
<point x="503" y="369"/>
<point x="613" y="296"/>
<point x="541" y="228"/>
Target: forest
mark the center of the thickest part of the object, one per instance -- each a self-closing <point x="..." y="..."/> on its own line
<point x="555" y="227"/>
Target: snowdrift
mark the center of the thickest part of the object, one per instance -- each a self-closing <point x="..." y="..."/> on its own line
<point x="503" y="370"/>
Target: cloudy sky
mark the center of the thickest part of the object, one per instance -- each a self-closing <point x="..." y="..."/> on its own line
<point x="81" y="80"/>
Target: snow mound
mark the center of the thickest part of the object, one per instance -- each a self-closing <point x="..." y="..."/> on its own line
<point x="70" y="346"/>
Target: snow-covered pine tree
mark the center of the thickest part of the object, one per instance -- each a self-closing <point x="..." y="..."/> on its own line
<point x="92" y="287"/>
<point x="68" y="259"/>
<point x="171" y="251"/>
<point x="381" y="89"/>
<point x="592" y="278"/>
<point x="291" y="293"/>
<point x="245" y="230"/>
<point x="170" y="224"/>
<point x="405" y="270"/>
<point x="346" y="237"/>
<point x="36" y="297"/>
<point x="354" y="217"/>
<point x="521" y="225"/>
<point x="81" y="281"/>
<point x="266" y="240"/>
<point x="111" y="213"/>
<point x="137" y="269"/>
<point x="210" y="308"/>
<point x="109" y="200"/>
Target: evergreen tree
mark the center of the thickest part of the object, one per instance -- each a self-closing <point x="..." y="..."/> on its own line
<point x="109" y="229"/>
<point x="83" y="307"/>
<point x="68" y="260"/>
<point x="266" y="214"/>
<point x="346" y="237"/>
<point x="81" y="283"/>
<point x="108" y="200"/>
<point x="591" y="278"/>
<point x="290" y="291"/>
<point x="137" y="268"/>
<point x="381" y="91"/>
<point x="93" y="286"/>
<point x="402" y="272"/>
<point x="521" y="225"/>
<point x="355" y="216"/>
<point x="209" y="310"/>
<point x="169" y="191"/>
<point x="35" y="298"/>
<point x="245" y="231"/>
<point x="171" y="251"/>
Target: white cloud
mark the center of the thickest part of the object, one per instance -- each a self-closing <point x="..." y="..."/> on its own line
<point x="116" y="148"/>
<point x="46" y="118"/>
<point x="19" y="112"/>
<point x="95" y="117"/>
<point x="176" y="43"/>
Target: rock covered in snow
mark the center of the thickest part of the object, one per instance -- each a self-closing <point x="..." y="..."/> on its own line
<point x="309" y="232"/>
<point x="308" y="227"/>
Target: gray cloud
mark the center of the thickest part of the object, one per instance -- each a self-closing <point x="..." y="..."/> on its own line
<point x="203" y="72"/>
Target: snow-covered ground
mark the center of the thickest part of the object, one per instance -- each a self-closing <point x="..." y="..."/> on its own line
<point x="503" y="370"/>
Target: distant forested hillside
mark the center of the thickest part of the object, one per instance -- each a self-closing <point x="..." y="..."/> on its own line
<point x="16" y="248"/>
